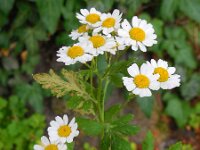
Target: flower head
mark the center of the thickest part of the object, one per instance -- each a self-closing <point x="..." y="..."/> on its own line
<point x="61" y="130"/>
<point x="91" y="17"/>
<point x="49" y="145"/>
<point x="109" y="22"/>
<point x="167" y="79"/>
<point x="75" y="34"/>
<point x="76" y="53"/>
<point x="138" y="35"/>
<point x="100" y="44"/>
<point x="142" y="80"/>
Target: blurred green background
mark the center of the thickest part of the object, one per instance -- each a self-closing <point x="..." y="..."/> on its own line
<point x="32" y="30"/>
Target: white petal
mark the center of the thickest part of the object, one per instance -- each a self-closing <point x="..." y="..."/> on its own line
<point x="162" y="63"/>
<point x="133" y="70"/>
<point x="128" y="82"/>
<point x="59" y="120"/>
<point x="45" y="140"/>
<point x="171" y="70"/>
<point x="38" y="147"/>
<point x="142" y="47"/>
<point x="65" y="118"/>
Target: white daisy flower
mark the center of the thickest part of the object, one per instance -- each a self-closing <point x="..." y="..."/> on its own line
<point x="141" y="80"/>
<point x="75" y="34"/>
<point x="100" y="44"/>
<point x="77" y="53"/>
<point x="62" y="131"/>
<point x="47" y="144"/>
<point x="167" y="79"/>
<point x="139" y="35"/>
<point x="92" y="17"/>
<point x="109" y="22"/>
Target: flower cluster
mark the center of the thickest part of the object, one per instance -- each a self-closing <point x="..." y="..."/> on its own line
<point x="151" y="75"/>
<point x="106" y="32"/>
<point x="60" y="132"/>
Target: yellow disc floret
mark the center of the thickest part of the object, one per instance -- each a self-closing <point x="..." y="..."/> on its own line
<point x="164" y="75"/>
<point x="82" y="29"/>
<point x="93" y="18"/>
<point x="97" y="41"/>
<point x="141" y="81"/>
<point x="64" y="131"/>
<point x="108" y="23"/>
<point x="137" y="34"/>
<point x="75" y="51"/>
<point x="51" y="147"/>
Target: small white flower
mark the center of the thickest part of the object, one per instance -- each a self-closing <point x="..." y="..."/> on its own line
<point x="109" y="22"/>
<point x="139" y="35"/>
<point x="49" y="145"/>
<point x="62" y="131"/>
<point x="167" y="79"/>
<point x="92" y="17"/>
<point x="75" y="34"/>
<point x="100" y="44"/>
<point x="77" y="53"/>
<point x="141" y="80"/>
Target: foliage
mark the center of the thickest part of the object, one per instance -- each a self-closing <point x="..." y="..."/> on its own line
<point x="27" y="31"/>
<point x="21" y="132"/>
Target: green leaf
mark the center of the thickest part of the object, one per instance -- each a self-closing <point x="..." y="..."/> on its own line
<point x="146" y="105"/>
<point x="127" y="129"/>
<point x="3" y="103"/>
<point x="148" y="143"/>
<point x="177" y="146"/>
<point x="119" y="143"/>
<point x="191" y="9"/>
<point x="177" y="109"/>
<point x="101" y="64"/>
<point x="168" y="8"/>
<point x="70" y="146"/>
<point x="191" y="89"/>
<point x="123" y="120"/>
<point x="105" y="142"/>
<point x="50" y="11"/>
<point x="89" y="127"/>
<point x="6" y="5"/>
<point x="112" y="112"/>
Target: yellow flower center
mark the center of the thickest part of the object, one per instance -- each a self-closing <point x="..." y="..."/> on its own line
<point x="108" y="23"/>
<point x="137" y="34"/>
<point x="51" y="147"/>
<point x="64" y="131"/>
<point x="93" y="18"/>
<point x="97" y="41"/>
<point x="141" y="81"/>
<point x="82" y="29"/>
<point x="164" y="75"/>
<point x="75" y="51"/>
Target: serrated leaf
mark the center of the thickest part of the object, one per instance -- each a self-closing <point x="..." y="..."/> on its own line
<point x="112" y="112"/>
<point x="148" y="143"/>
<point x="127" y="129"/>
<point x="50" y="11"/>
<point x="119" y="143"/>
<point x="106" y="142"/>
<point x="89" y="127"/>
<point x="59" y="86"/>
<point x="123" y="120"/>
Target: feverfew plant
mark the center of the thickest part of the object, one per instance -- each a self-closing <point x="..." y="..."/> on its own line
<point x="100" y="42"/>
